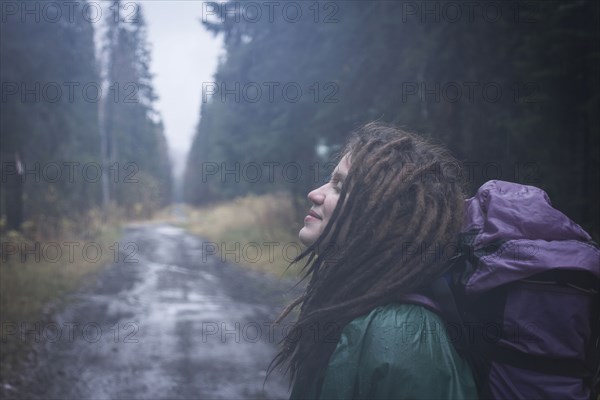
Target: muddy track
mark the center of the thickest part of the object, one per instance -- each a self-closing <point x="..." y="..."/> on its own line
<point x="176" y="324"/>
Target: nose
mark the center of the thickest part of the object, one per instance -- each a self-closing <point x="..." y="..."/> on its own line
<point x="316" y="196"/>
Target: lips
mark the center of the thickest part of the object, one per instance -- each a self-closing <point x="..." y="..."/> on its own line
<point x="314" y="214"/>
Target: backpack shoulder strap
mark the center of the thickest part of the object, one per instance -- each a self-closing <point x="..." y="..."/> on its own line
<point x="439" y="298"/>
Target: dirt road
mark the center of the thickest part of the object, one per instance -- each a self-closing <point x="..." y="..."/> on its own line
<point x="167" y="321"/>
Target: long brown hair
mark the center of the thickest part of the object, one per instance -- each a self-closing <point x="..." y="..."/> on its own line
<point x="402" y="202"/>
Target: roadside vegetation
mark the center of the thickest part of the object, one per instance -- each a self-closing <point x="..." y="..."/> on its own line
<point x="38" y="271"/>
<point x="259" y="232"/>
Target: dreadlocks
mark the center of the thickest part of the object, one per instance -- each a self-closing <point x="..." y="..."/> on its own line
<point x="393" y="228"/>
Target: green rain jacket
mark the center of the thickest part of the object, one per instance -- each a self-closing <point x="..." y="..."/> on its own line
<point x="398" y="351"/>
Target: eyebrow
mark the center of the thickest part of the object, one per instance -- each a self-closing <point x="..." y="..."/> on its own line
<point x="337" y="175"/>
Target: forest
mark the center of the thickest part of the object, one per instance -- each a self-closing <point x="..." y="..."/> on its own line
<point x="80" y="132"/>
<point x="511" y="87"/>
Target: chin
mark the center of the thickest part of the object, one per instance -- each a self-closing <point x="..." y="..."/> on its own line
<point x="306" y="238"/>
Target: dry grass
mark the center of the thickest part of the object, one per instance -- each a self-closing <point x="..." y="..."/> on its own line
<point x="257" y="231"/>
<point x="32" y="279"/>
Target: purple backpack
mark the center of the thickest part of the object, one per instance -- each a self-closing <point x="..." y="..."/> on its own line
<point x="520" y="301"/>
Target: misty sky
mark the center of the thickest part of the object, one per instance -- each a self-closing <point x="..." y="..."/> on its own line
<point x="184" y="55"/>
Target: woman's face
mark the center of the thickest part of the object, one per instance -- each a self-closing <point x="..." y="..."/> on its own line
<point x="324" y="200"/>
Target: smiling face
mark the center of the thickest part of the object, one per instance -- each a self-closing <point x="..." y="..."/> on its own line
<point x="324" y="200"/>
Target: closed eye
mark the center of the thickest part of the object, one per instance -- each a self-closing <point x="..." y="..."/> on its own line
<point x="336" y="183"/>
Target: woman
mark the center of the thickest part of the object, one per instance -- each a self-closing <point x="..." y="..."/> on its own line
<point x="381" y="228"/>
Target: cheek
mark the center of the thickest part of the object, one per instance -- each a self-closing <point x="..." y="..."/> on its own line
<point x="330" y="207"/>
